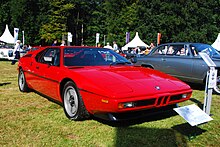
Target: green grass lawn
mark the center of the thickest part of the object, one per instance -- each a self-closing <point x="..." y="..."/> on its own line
<point x="27" y="119"/>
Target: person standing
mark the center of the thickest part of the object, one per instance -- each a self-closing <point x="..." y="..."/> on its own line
<point x="16" y="52"/>
<point x="108" y="46"/>
<point x="63" y="43"/>
<point x="54" y="43"/>
<point x="115" y="46"/>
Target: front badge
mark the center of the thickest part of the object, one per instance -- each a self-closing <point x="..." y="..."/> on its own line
<point x="157" y="87"/>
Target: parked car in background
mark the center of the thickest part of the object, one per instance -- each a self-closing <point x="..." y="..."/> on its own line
<point x="129" y="56"/>
<point x="6" y="51"/>
<point x="182" y="60"/>
<point x="33" y="48"/>
<point x="97" y="81"/>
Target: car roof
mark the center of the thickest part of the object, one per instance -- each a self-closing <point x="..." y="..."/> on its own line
<point x="93" y="47"/>
<point x="173" y="43"/>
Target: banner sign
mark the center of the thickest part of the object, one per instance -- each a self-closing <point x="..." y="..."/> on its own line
<point x="158" y="38"/>
<point x="97" y="37"/>
<point x="193" y="114"/>
<point x="127" y="37"/>
<point x="70" y="37"/>
<point x="16" y="30"/>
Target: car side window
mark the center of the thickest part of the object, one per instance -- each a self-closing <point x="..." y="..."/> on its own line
<point x="54" y="53"/>
<point x="170" y="50"/>
<point x="160" y="50"/>
<point x="180" y="50"/>
<point x="193" y="50"/>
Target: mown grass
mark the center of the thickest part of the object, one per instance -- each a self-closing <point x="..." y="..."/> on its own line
<point x="27" y="119"/>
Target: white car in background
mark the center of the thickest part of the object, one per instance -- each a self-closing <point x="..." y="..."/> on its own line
<point x="6" y="51"/>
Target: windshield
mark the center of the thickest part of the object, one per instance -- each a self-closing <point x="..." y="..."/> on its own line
<point x="208" y="49"/>
<point x="92" y="57"/>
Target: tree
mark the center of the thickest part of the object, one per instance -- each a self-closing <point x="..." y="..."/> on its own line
<point x="55" y="26"/>
<point x="176" y="20"/>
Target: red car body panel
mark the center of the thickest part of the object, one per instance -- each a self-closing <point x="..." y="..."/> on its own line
<point x="103" y="87"/>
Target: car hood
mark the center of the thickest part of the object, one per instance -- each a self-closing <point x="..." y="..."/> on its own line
<point x="127" y="81"/>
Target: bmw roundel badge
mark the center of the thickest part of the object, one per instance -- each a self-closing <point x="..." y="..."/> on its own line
<point x="157" y="87"/>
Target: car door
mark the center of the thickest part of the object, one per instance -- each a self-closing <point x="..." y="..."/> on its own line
<point x="154" y="59"/>
<point x="200" y="68"/>
<point x="178" y="61"/>
<point x="46" y="74"/>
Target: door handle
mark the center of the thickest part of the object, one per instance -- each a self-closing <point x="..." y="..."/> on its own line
<point x="37" y="67"/>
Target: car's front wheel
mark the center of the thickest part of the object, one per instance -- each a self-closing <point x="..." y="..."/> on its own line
<point x="22" y="84"/>
<point x="72" y="102"/>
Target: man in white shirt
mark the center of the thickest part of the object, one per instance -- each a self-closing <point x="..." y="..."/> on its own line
<point x="108" y="46"/>
<point x="17" y="50"/>
<point x="115" y="46"/>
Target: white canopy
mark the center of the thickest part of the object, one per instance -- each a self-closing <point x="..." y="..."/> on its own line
<point x="136" y="42"/>
<point x="6" y="36"/>
<point x="216" y="44"/>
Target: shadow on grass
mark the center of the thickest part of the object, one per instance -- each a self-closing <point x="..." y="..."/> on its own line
<point x="148" y="117"/>
<point x="6" y="83"/>
<point x="188" y="131"/>
<point x="200" y="104"/>
<point x="138" y="136"/>
<point x="178" y="135"/>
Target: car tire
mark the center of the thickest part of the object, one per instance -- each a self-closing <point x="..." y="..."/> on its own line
<point x="217" y="87"/>
<point x="22" y="84"/>
<point x="73" y="105"/>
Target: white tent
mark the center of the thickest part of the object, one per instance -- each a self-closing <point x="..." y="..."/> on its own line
<point x="216" y="44"/>
<point x="136" y="42"/>
<point x="6" y="36"/>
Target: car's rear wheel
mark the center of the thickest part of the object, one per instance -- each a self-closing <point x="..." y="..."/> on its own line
<point x="73" y="105"/>
<point x="217" y="88"/>
<point x="22" y="84"/>
<point x="147" y="66"/>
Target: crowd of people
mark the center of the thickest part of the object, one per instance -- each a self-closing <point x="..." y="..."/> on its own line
<point x="136" y="50"/>
<point x="114" y="47"/>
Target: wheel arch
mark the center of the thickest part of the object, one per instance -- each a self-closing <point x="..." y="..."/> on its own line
<point x="147" y="66"/>
<point x="62" y="83"/>
<point x="218" y="74"/>
<point x="83" y="112"/>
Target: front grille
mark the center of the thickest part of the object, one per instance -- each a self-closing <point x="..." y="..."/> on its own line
<point x="175" y="97"/>
<point x="163" y="100"/>
<point x="159" y="101"/>
<point x="148" y="102"/>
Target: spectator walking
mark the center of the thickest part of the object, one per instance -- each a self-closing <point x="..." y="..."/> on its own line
<point x="17" y="50"/>
<point x="63" y="43"/>
<point x="115" y="46"/>
<point x="152" y="45"/>
<point x="54" y="43"/>
<point x="108" y="46"/>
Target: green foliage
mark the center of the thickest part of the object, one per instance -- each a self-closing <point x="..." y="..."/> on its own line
<point x="4" y="15"/>
<point x="28" y="119"/>
<point x="43" y="21"/>
<point x="55" y="26"/>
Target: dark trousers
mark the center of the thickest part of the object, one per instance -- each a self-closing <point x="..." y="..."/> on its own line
<point x="17" y="57"/>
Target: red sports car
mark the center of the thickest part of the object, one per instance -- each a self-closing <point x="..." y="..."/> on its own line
<point x="97" y="81"/>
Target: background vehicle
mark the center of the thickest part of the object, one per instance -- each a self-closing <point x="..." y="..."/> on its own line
<point x="182" y="60"/>
<point x="97" y="81"/>
<point x="6" y="51"/>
